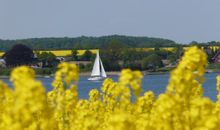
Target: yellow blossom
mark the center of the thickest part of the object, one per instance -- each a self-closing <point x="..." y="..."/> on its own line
<point x="182" y="106"/>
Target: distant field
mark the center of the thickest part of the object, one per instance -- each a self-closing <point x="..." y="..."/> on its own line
<point x="68" y="52"/>
<point x="214" y="47"/>
<point x="61" y="53"/>
<point x="2" y="53"/>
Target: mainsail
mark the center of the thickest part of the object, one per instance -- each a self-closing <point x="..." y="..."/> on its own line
<point x="96" y="66"/>
<point x="98" y="69"/>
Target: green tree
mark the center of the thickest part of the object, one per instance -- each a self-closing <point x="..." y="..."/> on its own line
<point x="152" y="62"/>
<point x="131" y="58"/>
<point x="87" y="56"/>
<point x="195" y="43"/>
<point x="19" y="55"/>
<point x="75" y="54"/>
<point x="48" y="59"/>
<point x="111" y="55"/>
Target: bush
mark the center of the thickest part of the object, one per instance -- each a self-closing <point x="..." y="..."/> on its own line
<point x="5" y="71"/>
<point x="152" y="62"/>
<point x="44" y="71"/>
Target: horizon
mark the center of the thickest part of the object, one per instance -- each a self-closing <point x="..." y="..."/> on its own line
<point x="91" y="36"/>
<point x="107" y="36"/>
<point x="180" y="21"/>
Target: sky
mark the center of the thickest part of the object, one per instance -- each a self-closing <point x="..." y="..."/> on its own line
<point x="180" y="20"/>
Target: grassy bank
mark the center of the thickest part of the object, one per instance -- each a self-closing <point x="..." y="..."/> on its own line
<point x="40" y="71"/>
<point x="5" y="72"/>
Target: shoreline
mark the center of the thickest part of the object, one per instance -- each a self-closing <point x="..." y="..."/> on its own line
<point x="52" y="75"/>
<point x="112" y="73"/>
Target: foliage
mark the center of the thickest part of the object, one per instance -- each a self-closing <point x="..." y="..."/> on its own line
<point x="38" y="71"/>
<point x="5" y="71"/>
<point x="87" y="56"/>
<point x="111" y="55"/>
<point x="152" y="62"/>
<point x="44" y="71"/>
<point x="48" y="59"/>
<point x="19" y="55"/>
<point x="117" y="56"/>
<point x="177" y="53"/>
<point x="213" y="66"/>
<point x="84" y="42"/>
<point x="74" y="55"/>
<point x="181" y="107"/>
<point x="85" y="67"/>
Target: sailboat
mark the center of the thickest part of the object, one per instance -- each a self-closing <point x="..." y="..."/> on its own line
<point x="98" y="71"/>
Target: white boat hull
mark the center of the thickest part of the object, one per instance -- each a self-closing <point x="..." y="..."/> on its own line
<point x="96" y="78"/>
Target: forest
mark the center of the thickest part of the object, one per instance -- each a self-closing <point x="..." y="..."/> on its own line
<point x="85" y="42"/>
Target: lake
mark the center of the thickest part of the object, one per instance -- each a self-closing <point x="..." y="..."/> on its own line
<point x="155" y="83"/>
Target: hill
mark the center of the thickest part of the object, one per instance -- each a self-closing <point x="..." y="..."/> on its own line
<point x="85" y="42"/>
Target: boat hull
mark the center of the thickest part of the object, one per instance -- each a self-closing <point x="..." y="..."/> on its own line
<point x="96" y="78"/>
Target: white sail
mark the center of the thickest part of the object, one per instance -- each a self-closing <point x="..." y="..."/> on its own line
<point x="96" y="67"/>
<point x="103" y="74"/>
<point x="98" y="71"/>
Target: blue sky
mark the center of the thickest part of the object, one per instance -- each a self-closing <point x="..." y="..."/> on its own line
<point x="180" y="20"/>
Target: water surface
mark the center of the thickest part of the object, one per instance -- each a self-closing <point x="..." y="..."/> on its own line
<point x="155" y="83"/>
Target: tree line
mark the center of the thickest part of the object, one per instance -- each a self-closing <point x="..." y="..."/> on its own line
<point x="85" y="42"/>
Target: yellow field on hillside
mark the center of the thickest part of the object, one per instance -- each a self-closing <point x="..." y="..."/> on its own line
<point x="68" y="52"/>
<point x="214" y="47"/>
<point x="144" y="49"/>
<point x="58" y="52"/>
<point x="61" y="52"/>
<point x="168" y="48"/>
<point x="2" y="53"/>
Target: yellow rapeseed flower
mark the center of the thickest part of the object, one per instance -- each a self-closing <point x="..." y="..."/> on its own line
<point x="182" y="106"/>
